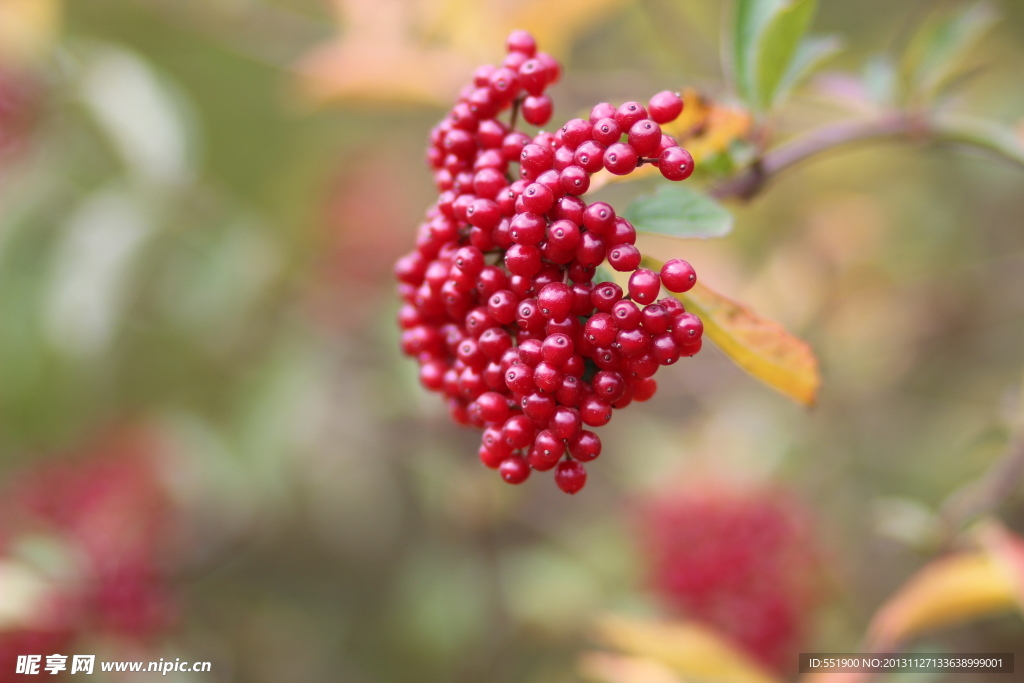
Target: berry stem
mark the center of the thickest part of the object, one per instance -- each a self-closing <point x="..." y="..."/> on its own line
<point x="515" y="113"/>
<point x="901" y="126"/>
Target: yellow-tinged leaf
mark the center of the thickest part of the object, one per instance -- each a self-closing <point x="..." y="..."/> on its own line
<point x="28" y="28"/>
<point x="837" y="677"/>
<point x="1008" y="549"/>
<point x="611" y="668"/>
<point x="686" y="648"/>
<point x="760" y="346"/>
<point x="947" y="591"/>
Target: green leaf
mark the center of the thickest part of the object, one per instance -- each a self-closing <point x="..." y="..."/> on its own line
<point x="811" y="52"/>
<point x="777" y="46"/>
<point x="678" y="211"/>
<point x="936" y="50"/>
<point x="752" y="16"/>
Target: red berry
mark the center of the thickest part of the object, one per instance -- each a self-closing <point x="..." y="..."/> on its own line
<point x="574" y="180"/>
<point x="644" y="286"/>
<point x="555" y="301"/>
<point x="644" y="137"/>
<point x="628" y="114"/>
<point x="565" y="423"/>
<point x="595" y="412"/>
<point x="665" y="106"/>
<point x="605" y="295"/>
<point x="575" y="132"/>
<point x="601" y="111"/>
<point x="675" y="163"/>
<point x="536" y="159"/>
<point x="533" y="76"/>
<point x="514" y="469"/>
<point x="624" y="258"/>
<point x="620" y="159"/>
<point x="590" y="156"/>
<point x="606" y="131"/>
<point x="537" y="110"/>
<point x="521" y="41"/>
<point x="586" y="446"/>
<point x="678" y="276"/>
<point x="537" y="199"/>
<point x="570" y="476"/>
<point x="644" y="389"/>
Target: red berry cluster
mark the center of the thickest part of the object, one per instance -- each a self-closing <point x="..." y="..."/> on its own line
<point x="742" y="561"/>
<point x="500" y="305"/>
<point x="110" y="508"/>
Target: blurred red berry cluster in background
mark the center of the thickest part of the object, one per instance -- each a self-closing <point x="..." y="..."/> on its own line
<point x="741" y="560"/>
<point x="21" y="98"/>
<point x="107" y="521"/>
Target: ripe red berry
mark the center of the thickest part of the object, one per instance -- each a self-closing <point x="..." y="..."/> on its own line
<point x="644" y="137"/>
<point x="605" y="295"/>
<point x="586" y="446"/>
<point x="533" y="76"/>
<point x="537" y="110"/>
<point x="599" y="218"/>
<point x="575" y="132"/>
<point x="628" y="114"/>
<point x="665" y="106"/>
<point x="570" y="476"/>
<point x="574" y="180"/>
<point x="620" y="158"/>
<point x="555" y="301"/>
<point x="589" y="156"/>
<point x="600" y="111"/>
<point x="514" y="469"/>
<point x="521" y="41"/>
<point x="675" y="163"/>
<point x="644" y="286"/>
<point x="606" y="131"/>
<point x="624" y="258"/>
<point x="678" y="276"/>
<point x="565" y="423"/>
<point x="535" y="158"/>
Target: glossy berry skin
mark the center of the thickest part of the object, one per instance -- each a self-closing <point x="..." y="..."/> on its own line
<point x="624" y="258"/>
<point x="606" y="131"/>
<point x="537" y="110"/>
<point x="589" y="156"/>
<point x="514" y="469"/>
<point x="571" y="476"/>
<point x="586" y="446"/>
<point x="533" y="76"/>
<point x="620" y="158"/>
<point x="644" y="286"/>
<point x="675" y="163"/>
<point x="576" y="132"/>
<point x="678" y="276"/>
<point x="574" y="180"/>
<point x="521" y="41"/>
<point x="603" y="110"/>
<point x="644" y="137"/>
<point x="628" y="114"/>
<point x="555" y="301"/>
<point x="664" y="107"/>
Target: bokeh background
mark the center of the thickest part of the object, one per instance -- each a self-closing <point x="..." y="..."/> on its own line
<point x="211" y="448"/>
